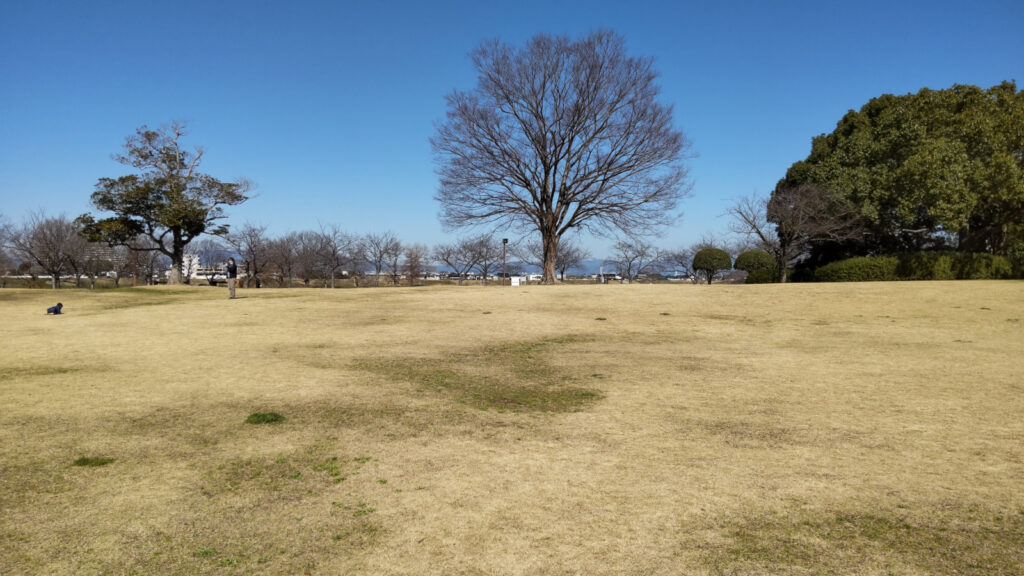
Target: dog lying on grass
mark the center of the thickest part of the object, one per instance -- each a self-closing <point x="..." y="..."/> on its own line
<point x="55" y="309"/>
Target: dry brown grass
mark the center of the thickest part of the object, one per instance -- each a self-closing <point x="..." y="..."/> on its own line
<point x="802" y="429"/>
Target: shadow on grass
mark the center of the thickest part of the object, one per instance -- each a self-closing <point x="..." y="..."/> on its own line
<point x="514" y="377"/>
<point x="958" y="540"/>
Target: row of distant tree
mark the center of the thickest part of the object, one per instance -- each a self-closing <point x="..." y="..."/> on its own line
<point x="57" y="246"/>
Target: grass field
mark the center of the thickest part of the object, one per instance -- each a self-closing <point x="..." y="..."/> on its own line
<point x="800" y="429"/>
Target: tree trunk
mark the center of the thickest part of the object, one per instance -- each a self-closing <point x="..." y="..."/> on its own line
<point x="55" y="280"/>
<point x="550" y="241"/>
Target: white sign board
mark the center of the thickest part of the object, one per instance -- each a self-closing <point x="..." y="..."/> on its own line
<point x="515" y="280"/>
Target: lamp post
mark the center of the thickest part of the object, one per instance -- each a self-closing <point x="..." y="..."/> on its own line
<point x="504" y="241"/>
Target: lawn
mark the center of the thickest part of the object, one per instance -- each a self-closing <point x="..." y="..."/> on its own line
<point x="648" y="429"/>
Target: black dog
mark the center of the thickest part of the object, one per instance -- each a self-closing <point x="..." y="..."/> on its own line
<point x="55" y="309"/>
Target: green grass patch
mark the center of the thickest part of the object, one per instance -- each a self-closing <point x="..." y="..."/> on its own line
<point x="969" y="542"/>
<point x="515" y="377"/>
<point x="93" y="461"/>
<point x="264" y="418"/>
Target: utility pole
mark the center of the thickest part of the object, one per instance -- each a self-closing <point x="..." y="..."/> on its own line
<point x="504" y="242"/>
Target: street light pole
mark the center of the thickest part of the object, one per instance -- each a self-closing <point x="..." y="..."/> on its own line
<point x="504" y="241"/>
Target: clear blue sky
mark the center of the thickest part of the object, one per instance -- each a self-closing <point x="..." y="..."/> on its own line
<point x="328" y="106"/>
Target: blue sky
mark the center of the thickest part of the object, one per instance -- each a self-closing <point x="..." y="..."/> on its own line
<point x="328" y="106"/>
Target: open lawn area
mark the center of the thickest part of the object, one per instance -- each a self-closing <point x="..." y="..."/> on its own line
<point x="623" y="430"/>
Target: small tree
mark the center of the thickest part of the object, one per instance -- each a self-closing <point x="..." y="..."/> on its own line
<point x="488" y="254"/>
<point x="381" y="250"/>
<point x="283" y="258"/>
<point x="709" y="262"/>
<point x="250" y="241"/>
<point x="460" y="256"/>
<point x="633" y="257"/>
<point x="46" y="242"/>
<point x="416" y="257"/>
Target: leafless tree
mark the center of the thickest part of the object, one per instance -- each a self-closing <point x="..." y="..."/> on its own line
<point x="488" y="254"/>
<point x="283" y="254"/>
<point x="334" y="252"/>
<point x="460" y="256"/>
<point x="415" y="263"/>
<point x="77" y="249"/>
<point x="250" y="241"/>
<point x="144" y="261"/>
<point x="307" y="256"/>
<point x="47" y="242"/>
<point x="380" y="250"/>
<point x="212" y="255"/>
<point x="633" y="257"/>
<point x="792" y="220"/>
<point x="560" y="136"/>
<point x="120" y="263"/>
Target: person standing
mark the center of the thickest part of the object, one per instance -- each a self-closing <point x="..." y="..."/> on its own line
<point x="232" y="271"/>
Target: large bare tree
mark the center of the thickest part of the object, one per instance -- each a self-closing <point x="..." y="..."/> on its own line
<point x="557" y="136"/>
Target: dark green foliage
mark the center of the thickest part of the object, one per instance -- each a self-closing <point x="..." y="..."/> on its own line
<point x="982" y="267"/>
<point x="169" y="201"/>
<point x="710" y="261"/>
<point x="924" y="166"/>
<point x="759" y="265"/>
<point x="92" y="461"/>
<point x="264" y="418"/>
<point x="1016" y="256"/>
<point x="859" y="269"/>
<point x="762" y="277"/>
<point x="753" y="260"/>
<point x="917" y="266"/>
<point x="926" y="266"/>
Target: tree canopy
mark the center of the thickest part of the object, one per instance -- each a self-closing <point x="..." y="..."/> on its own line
<point x="560" y="135"/>
<point x="931" y="169"/>
<point x="707" y="263"/>
<point x="169" y="201"/>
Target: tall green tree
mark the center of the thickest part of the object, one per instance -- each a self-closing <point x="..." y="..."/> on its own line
<point x="931" y="169"/>
<point x="169" y="200"/>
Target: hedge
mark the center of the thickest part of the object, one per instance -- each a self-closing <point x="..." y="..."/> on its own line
<point x="917" y="266"/>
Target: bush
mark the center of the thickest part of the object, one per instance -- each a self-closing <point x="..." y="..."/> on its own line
<point x="926" y="266"/>
<point x="918" y="266"/>
<point x="1016" y="256"/>
<point x="860" y="269"/>
<point x="754" y="260"/>
<point x="761" y="277"/>
<point x="711" y="261"/>
<point x="982" y="267"/>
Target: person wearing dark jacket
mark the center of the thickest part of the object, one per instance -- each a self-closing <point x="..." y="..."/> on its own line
<point x="232" y="271"/>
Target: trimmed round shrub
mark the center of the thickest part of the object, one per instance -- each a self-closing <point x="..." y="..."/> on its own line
<point x="759" y="266"/>
<point x="860" y="269"/>
<point x="711" y="261"/>
<point x="754" y="260"/>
